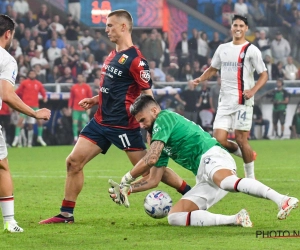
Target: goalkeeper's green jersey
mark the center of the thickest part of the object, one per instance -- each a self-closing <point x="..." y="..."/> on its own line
<point x="185" y="142"/>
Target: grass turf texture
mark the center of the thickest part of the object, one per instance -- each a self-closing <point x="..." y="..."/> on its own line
<point x="39" y="176"/>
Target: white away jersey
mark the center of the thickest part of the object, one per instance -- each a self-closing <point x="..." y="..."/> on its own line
<point x="8" y="68"/>
<point x="237" y="64"/>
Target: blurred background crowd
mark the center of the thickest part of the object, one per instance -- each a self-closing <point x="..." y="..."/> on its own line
<point x="58" y="47"/>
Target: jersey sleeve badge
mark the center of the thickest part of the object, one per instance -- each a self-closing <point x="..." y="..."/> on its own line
<point x="145" y="75"/>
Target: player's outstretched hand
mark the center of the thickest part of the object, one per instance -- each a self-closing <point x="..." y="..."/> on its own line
<point x="114" y="191"/>
<point x="43" y="114"/>
<point x="119" y="192"/>
<point x="196" y="81"/>
<point x="86" y="103"/>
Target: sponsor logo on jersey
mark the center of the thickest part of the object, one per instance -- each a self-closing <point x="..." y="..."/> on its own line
<point x="168" y="151"/>
<point x="142" y="64"/>
<point x="231" y="66"/>
<point x="108" y="74"/>
<point x="123" y="59"/>
<point x="14" y="75"/>
<point x="104" y="90"/>
<point x="155" y="129"/>
<point x="145" y="75"/>
<point x="109" y="69"/>
<point x="206" y="160"/>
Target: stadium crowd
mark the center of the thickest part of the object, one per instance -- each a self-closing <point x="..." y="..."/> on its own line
<point x="59" y="51"/>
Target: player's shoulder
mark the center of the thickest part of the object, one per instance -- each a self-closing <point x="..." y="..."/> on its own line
<point x="136" y="58"/>
<point x="167" y="114"/>
<point x="6" y="58"/>
<point x="225" y="45"/>
<point x="134" y="51"/>
<point x="253" y="47"/>
<point x="136" y="54"/>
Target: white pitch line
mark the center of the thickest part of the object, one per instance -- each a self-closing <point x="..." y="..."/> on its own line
<point x="63" y="176"/>
<point x="64" y="171"/>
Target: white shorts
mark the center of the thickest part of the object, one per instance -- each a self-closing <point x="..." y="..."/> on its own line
<point x="29" y="120"/>
<point x="237" y="117"/>
<point x="206" y="193"/>
<point x="3" y="148"/>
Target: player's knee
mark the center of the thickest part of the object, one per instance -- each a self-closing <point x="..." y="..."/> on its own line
<point x="177" y="219"/>
<point x="4" y="165"/>
<point x="229" y="183"/>
<point x="221" y="139"/>
<point x="73" y="165"/>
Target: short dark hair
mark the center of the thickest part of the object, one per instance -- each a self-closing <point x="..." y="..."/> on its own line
<point x="31" y="70"/>
<point x="243" y="18"/>
<point x="125" y="14"/>
<point x="141" y="103"/>
<point x="6" y="23"/>
<point x="280" y="80"/>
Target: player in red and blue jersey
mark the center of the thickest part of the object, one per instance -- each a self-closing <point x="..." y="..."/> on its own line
<point x="125" y="75"/>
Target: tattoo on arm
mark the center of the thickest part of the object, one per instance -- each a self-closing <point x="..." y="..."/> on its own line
<point x="154" y="152"/>
<point x="139" y="184"/>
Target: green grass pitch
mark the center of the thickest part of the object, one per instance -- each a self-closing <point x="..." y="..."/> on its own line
<point x="39" y="176"/>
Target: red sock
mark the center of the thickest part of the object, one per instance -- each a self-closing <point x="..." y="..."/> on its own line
<point x="67" y="206"/>
<point x="184" y="188"/>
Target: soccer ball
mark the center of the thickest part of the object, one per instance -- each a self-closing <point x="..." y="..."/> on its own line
<point x="157" y="204"/>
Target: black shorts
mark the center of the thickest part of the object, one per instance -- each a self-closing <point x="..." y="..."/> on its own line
<point x="103" y="136"/>
<point x="279" y="116"/>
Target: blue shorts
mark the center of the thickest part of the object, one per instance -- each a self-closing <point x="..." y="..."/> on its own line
<point x="103" y="136"/>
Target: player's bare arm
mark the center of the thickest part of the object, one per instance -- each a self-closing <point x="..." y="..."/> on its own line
<point x="87" y="103"/>
<point x="119" y="193"/>
<point x="263" y="78"/>
<point x="149" y="181"/>
<point x="148" y="160"/>
<point x="12" y="99"/>
<point x="207" y="74"/>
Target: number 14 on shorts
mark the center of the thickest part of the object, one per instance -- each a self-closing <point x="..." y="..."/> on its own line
<point x="241" y="115"/>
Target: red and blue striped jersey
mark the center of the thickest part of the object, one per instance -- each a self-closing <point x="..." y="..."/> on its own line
<point x="124" y="75"/>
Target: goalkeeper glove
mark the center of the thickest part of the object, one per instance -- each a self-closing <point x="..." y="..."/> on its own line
<point x="118" y="193"/>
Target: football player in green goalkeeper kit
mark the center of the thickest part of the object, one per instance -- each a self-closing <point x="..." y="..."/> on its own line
<point x="175" y="137"/>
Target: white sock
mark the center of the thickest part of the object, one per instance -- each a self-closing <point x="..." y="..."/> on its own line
<point x="22" y="138"/>
<point x="249" y="170"/>
<point x="7" y="205"/>
<point x="200" y="218"/>
<point x="275" y="196"/>
<point x="258" y="189"/>
<point x="30" y="136"/>
<point x="238" y="152"/>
